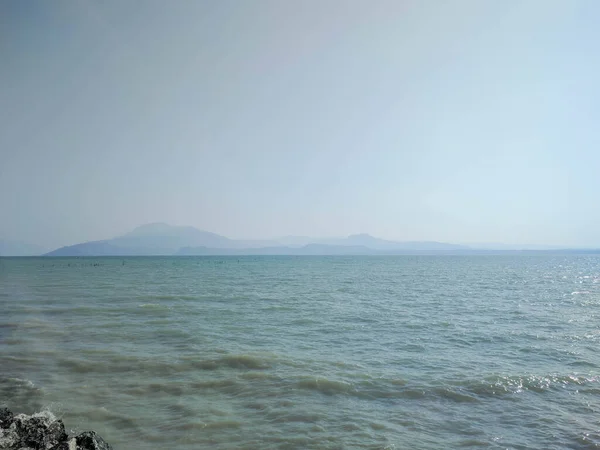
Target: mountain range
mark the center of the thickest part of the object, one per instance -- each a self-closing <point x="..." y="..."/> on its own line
<point x="160" y="239"/>
<point x="163" y="239"/>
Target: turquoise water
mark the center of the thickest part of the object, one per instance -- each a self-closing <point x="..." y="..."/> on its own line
<point x="308" y="352"/>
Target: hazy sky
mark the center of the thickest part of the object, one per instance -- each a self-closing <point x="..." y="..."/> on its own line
<point x="461" y="121"/>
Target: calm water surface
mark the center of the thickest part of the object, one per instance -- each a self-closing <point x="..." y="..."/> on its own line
<point x="308" y="352"/>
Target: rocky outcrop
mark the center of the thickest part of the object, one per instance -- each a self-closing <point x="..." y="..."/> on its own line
<point x="43" y="431"/>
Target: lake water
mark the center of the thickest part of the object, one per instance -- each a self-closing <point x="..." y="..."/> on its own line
<point x="395" y="352"/>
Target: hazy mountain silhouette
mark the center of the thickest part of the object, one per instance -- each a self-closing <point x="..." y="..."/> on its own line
<point x="370" y="242"/>
<point x="310" y="249"/>
<point x="96" y="248"/>
<point x="157" y="239"/>
<point x="374" y="243"/>
<point x="164" y="239"/>
<point x="151" y="239"/>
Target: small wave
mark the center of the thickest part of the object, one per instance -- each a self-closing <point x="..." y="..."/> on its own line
<point x="224" y="385"/>
<point x="591" y="390"/>
<point x="306" y="417"/>
<point x="80" y="366"/>
<point x="118" y="420"/>
<point x="377" y="426"/>
<point x="224" y="424"/>
<point x="304" y="321"/>
<point x="517" y="384"/>
<point x="455" y="395"/>
<point x="167" y="388"/>
<point x="260" y="376"/>
<point x="118" y="363"/>
<point x="168" y="297"/>
<point x="21" y="393"/>
<point x="186" y="426"/>
<point x="232" y="362"/>
<point x="473" y="443"/>
<point x="153" y="306"/>
<point x="22" y="381"/>
<point x="179" y="410"/>
<point x="460" y="391"/>
<point x="325" y="386"/>
<point x="581" y="363"/>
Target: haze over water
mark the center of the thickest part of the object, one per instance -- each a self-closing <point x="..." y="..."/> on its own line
<point x="307" y="352"/>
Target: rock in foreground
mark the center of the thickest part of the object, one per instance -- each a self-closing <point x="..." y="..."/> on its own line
<point x="43" y="431"/>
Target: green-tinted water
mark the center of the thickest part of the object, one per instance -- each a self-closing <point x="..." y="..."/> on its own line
<point x="307" y="352"/>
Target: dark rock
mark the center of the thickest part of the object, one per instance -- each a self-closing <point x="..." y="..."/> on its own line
<point x="89" y="440"/>
<point x="55" y="434"/>
<point x="6" y="417"/>
<point x="9" y="438"/>
<point x="65" y="445"/>
<point x="43" y="432"/>
<point x="31" y="430"/>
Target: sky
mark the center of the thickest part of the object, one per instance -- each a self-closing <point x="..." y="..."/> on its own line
<point x="460" y="121"/>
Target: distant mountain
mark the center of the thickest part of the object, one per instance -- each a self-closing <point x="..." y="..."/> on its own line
<point x="163" y="239"/>
<point x="374" y="243"/>
<point x="160" y="238"/>
<point x="95" y="248"/>
<point x="151" y="239"/>
<point x="310" y="249"/>
<point x="255" y="243"/>
<point x="18" y="248"/>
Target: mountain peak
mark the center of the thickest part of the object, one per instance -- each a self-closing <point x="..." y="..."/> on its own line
<point x="152" y="228"/>
<point x="160" y="238"/>
<point x="364" y="238"/>
<point x="150" y="239"/>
